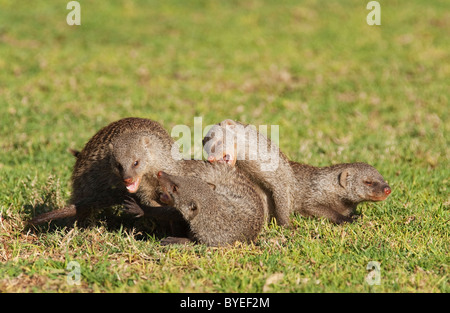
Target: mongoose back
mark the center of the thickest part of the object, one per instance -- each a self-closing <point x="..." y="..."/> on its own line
<point x="222" y="207"/>
<point x="259" y="158"/>
<point x="121" y="159"/>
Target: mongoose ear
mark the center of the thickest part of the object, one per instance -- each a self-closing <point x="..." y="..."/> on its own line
<point x="343" y="178"/>
<point x="213" y="187"/>
<point x="111" y="147"/>
<point x="229" y="125"/>
<point x="75" y="153"/>
<point x="229" y="122"/>
<point x="205" y="140"/>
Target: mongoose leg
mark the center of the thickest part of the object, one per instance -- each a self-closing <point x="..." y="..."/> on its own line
<point x="330" y="214"/>
<point x="165" y="215"/>
<point x="132" y="208"/>
<point x="282" y="206"/>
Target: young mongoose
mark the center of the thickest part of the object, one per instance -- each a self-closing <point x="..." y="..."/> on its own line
<point x="259" y="158"/>
<point x="221" y="208"/>
<point x="119" y="161"/>
<point x="332" y="192"/>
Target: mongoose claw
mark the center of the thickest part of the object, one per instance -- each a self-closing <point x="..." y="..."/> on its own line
<point x="132" y="207"/>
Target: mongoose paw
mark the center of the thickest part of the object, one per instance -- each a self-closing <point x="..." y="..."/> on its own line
<point x="132" y="207"/>
<point x="356" y="217"/>
<point x="175" y="240"/>
<point x="344" y="219"/>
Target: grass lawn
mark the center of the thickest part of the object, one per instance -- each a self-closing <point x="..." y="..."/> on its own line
<point x="339" y="89"/>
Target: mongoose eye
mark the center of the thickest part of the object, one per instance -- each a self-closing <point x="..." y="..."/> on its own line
<point x="192" y="206"/>
<point x="368" y="182"/>
<point x="174" y="188"/>
<point x="136" y="163"/>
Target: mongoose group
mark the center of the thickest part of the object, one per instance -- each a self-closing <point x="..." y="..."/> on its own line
<point x="134" y="162"/>
<point x="332" y="192"/>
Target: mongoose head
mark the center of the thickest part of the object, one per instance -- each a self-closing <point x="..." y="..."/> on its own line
<point x="363" y="182"/>
<point x="189" y="195"/>
<point x="215" y="145"/>
<point x="130" y="159"/>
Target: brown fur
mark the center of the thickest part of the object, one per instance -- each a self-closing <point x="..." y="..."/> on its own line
<point x="105" y="167"/>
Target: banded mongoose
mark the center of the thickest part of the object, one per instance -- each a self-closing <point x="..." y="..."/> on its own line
<point x="332" y="192"/>
<point x="259" y="158"/>
<point x="120" y="160"/>
<point x="222" y="207"/>
<point x="335" y="191"/>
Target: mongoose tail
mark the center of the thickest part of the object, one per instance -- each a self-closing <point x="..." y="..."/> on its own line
<point x="68" y="211"/>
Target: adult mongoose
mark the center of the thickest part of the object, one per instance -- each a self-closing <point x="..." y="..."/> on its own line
<point x="335" y="191"/>
<point x="259" y="158"/>
<point x="120" y="160"/>
<point x="222" y="207"/>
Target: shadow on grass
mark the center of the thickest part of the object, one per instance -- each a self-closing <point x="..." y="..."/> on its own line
<point x="113" y="219"/>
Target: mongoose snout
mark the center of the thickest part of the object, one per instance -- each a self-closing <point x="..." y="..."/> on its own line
<point x="132" y="184"/>
<point x="379" y="194"/>
<point x="218" y="151"/>
<point x="225" y="158"/>
<point x="387" y="190"/>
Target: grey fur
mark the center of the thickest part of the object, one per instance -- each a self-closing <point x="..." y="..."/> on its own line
<point x="276" y="181"/>
<point x="332" y="192"/>
<point x="335" y="191"/>
<point x="219" y="203"/>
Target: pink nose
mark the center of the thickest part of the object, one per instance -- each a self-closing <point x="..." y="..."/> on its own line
<point x="387" y="190"/>
<point x="128" y="180"/>
<point x="161" y="174"/>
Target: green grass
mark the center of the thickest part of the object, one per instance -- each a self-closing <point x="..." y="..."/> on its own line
<point x="341" y="91"/>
